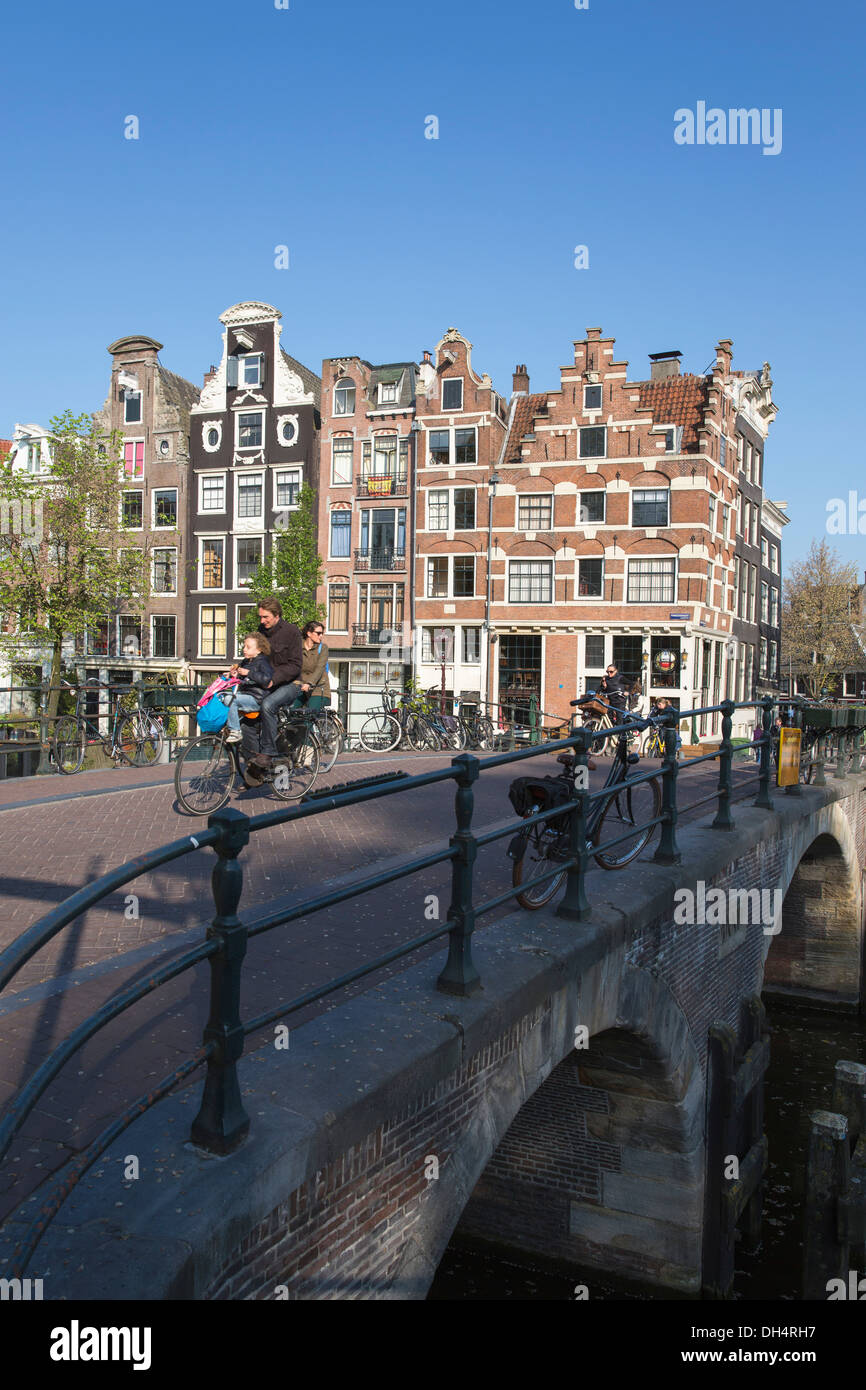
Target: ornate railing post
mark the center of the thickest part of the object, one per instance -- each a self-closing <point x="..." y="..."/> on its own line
<point x="724" y="819"/>
<point x="222" y="1123"/>
<point x="795" y="714"/>
<point x="460" y="975"/>
<point x="763" y="799"/>
<point x="667" y="852"/>
<point x="818" y="778"/>
<point x="841" y="769"/>
<point x="575" y="904"/>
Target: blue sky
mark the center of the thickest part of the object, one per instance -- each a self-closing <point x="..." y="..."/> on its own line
<point x="304" y="127"/>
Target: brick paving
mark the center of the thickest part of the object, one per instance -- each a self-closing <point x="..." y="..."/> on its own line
<point x="57" y="833"/>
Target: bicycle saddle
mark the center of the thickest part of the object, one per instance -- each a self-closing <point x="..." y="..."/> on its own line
<point x="567" y="759"/>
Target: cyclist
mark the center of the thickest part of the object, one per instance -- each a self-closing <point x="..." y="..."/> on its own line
<point x="286" y="656"/>
<point x="256" y="674"/>
<point x="314" y="662"/>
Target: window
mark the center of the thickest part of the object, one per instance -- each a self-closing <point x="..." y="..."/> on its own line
<point x="756" y="517"/>
<point x="464" y="509"/>
<point x="471" y="645"/>
<point x="765" y="602"/>
<point x="651" y="581"/>
<point x="250" y="369"/>
<point x="535" y="512"/>
<point x="212" y="631"/>
<point x="380" y="610"/>
<point x="387" y="392"/>
<point x="774" y="606"/>
<point x="383" y="534"/>
<point x="133" y="511"/>
<point x="96" y="639"/>
<point x="163" y="636"/>
<point x="338" y="608"/>
<point x="649" y="507"/>
<point x="287" y="430"/>
<point x="385" y="456"/>
<point x="132" y="407"/>
<point x="464" y="576"/>
<point x="212" y="492"/>
<point x="764" y="550"/>
<point x="437" y="509"/>
<point x="437" y="644"/>
<point x="591" y="506"/>
<point x="133" y="458"/>
<point x="129" y="635"/>
<point x="250" y="429"/>
<point x="464" y="446"/>
<point x="249" y="557"/>
<point x="437" y="576"/>
<point x="250" y="495"/>
<point x="594" y="656"/>
<point x="670" y="438"/>
<point x="758" y="460"/>
<point x="592" y="397"/>
<point x="344" y="397"/>
<point x="288" y="488"/>
<point x="212" y="435"/>
<point x="341" y="535"/>
<point x="342" y="461"/>
<point x="530" y="581"/>
<point x="593" y="441"/>
<point x="164" y="579"/>
<point x="762" y="660"/>
<point x="453" y="446"/>
<point x="590" y="578"/>
<point x="726" y="511"/>
<point x="165" y="509"/>
<point x="723" y="450"/>
<point x="211" y="554"/>
<point x="773" y="669"/>
<point x="440" y="446"/>
<point x="131" y="571"/>
<point x="452" y="393"/>
<point x="712" y="514"/>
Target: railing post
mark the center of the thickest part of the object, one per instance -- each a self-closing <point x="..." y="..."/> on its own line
<point x="222" y="1123"/>
<point x="667" y="852"/>
<point x="575" y="904"/>
<point x="818" y="778"/>
<point x="533" y="718"/>
<point x="724" y="819"/>
<point x="460" y="976"/>
<point x="795" y="713"/>
<point x="763" y="799"/>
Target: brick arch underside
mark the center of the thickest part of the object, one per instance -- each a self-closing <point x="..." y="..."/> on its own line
<point x="601" y="1166"/>
<point x="819" y="952"/>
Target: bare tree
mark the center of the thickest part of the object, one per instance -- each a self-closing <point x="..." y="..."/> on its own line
<point x="820" y="614"/>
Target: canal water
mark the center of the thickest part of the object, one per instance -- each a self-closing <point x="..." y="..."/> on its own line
<point x="805" y="1046"/>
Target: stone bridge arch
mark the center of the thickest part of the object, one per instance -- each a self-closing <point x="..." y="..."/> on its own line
<point x="819" y="951"/>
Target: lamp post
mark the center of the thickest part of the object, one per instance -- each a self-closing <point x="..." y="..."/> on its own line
<point x="492" y="483"/>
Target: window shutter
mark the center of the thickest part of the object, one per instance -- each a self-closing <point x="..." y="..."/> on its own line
<point x="232" y="372"/>
<point x="263" y="367"/>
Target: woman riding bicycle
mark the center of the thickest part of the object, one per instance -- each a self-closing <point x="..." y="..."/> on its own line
<point x="314" y="663"/>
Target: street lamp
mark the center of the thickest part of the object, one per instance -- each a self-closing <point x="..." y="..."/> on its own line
<point x="492" y="483"/>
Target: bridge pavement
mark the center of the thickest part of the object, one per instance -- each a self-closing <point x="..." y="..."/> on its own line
<point x="56" y="834"/>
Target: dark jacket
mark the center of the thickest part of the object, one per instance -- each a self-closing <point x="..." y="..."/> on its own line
<point x="259" y="675"/>
<point x="614" y="689"/>
<point x="286" y="651"/>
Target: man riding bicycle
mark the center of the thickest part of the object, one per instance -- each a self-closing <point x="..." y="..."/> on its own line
<point x="286" y="659"/>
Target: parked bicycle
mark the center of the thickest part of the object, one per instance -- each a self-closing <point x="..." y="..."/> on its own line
<point x="616" y="827"/>
<point x="210" y="768"/>
<point x="600" y="725"/>
<point x="136" y="736"/>
<point x="477" y="727"/>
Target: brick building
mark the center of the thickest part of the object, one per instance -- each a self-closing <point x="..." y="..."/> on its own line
<point x="614" y="529"/>
<point x="773" y="517"/>
<point x="366" y="524"/>
<point x="254" y="440"/>
<point x="149" y="406"/>
<point x="463" y="423"/>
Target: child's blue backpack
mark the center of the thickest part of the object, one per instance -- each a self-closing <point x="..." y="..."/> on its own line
<point x="212" y="716"/>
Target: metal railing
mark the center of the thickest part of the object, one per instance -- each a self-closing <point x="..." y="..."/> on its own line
<point x="221" y="1123"/>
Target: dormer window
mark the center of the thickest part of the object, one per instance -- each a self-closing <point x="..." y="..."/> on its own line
<point x="388" y="393"/>
<point x="131" y="407"/>
<point x="344" y="397"/>
<point x="592" y="397"/>
<point x="452" y="393"/>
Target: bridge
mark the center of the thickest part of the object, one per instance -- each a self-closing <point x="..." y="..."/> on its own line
<point x="547" y="1090"/>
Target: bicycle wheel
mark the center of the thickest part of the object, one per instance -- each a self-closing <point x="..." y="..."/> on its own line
<point x="627" y="809"/>
<point x="540" y="855"/>
<point x="598" y="743"/>
<point x="457" y="737"/>
<point x="68" y="744"/>
<point x="129" y="739"/>
<point x="427" y="735"/>
<point x="296" y="769"/>
<point x="380" y="733"/>
<point x="151" y="740"/>
<point x="204" y="775"/>
<point x="484" y="732"/>
<point x="329" y="732"/>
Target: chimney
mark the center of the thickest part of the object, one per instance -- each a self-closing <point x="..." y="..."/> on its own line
<point x="664" y="364"/>
<point x="724" y="353"/>
<point x="428" y="357"/>
<point x="209" y="375"/>
<point x="520" y="380"/>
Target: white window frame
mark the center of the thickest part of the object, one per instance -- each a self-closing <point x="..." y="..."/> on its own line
<point x="593" y="386"/>
<point x="392" y="388"/>
<point x="248" y="448"/>
<point x="162" y="593"/>
<point x="239" y="540"/>
<point x="153" y="618"/>
<point x="650" y="525"/>
<point x="206" y="428"/>
<point x="580" y="432"/>
<point x="133" y="440"/>
<point x="428" y="494"/>
<point x="602" y="522"/>
<point x="428" y="653"/>
<point x="453" y="409"/>
<point x="343" y="482"/>
<point x="212" y="656"/>
<point x="252" y="524"/>
<point x="282" y="474"/>
<point x="345" y="584"/>
<point x="642" y="559"/>
<point x="451" y="431"/>
<point x="450" y="594"/>
<point x="470" y="661"/>
<point x="339" y="511"/>
<point x="127" y="396"/>
<point x="140" y="492"/>
<point x="211" y="511"/>
<point x="529" y="497"/>
<point x="202" y="537"/>
<point x="527" y="561"/>
<point x="341" y="385"/>
<point x="243" y="358"/>
<point x="588" y="598"/>
<point x="153" y="495"/>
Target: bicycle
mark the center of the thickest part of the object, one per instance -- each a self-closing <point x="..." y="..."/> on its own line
<point x="628" y="807"/>
<point x="331" y="733"/>
<point x="209" y="768"/>
<point x="477" y="729"/>
<point x="380" y="732"/>
<point x="127" y="741"/>
<point x="598" y="724"/>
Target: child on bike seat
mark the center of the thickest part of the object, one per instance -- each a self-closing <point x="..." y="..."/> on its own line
<point x="256" y="674"/>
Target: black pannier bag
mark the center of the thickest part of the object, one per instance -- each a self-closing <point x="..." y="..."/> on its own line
<point x="525" y="793"/>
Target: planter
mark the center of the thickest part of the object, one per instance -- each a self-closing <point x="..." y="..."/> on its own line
<point x="856" y="716"/>
<point x="823" y="717"/>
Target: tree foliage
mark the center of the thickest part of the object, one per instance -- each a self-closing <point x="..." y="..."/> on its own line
<point x="821" y="619"/>
<point x="292" y="571"/>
